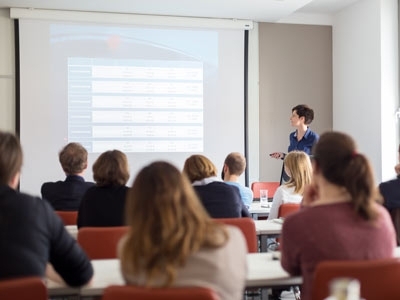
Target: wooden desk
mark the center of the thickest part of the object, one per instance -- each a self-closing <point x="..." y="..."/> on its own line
<point x="267" y="229"/>
<point x="72" y="230"/>
<point x="256" y="210"/>
<point x="263" y="272"/>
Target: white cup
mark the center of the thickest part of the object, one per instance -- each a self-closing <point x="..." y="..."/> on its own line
<point x="264" y="198"/>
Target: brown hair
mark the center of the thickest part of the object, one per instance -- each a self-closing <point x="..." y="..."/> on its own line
<point x="111" y="168"/>
<point x="167" y="224"/>
<point x="305" y="111"/>
<point x="339" y="162"/>
<point x="198" y="167"/>
<point x="73" y="158"/>
<point x="10" y="157"/>
<point x="298" y="164"/>
<point x="236" y="163"/>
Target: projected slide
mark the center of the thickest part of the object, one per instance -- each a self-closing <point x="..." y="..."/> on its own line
<point x="153" y="92"/>
<point x="137" y="105"/>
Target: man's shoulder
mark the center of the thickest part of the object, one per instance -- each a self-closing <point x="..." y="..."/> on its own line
<point x="390" y="183"/>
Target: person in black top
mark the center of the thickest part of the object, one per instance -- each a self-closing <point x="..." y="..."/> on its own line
<point x="220" y="199"/>
<point x="103" y="204"/>
<point x="390" y="190"/>
<point x="32" y="236"/>
<point x="67" y="195"/>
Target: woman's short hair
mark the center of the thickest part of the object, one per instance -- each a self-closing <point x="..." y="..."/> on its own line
<point x="305" y="111"/>
<point x="335" y="155"/>
<point x="236" y="163"/>
<point x="10" y="157"/>
<point x="198" y="167"/>
<point x="167" y="224"/>
<point x="73" y="158"/>
<point x="299" y="166"/>
<point x="111" y="168"/>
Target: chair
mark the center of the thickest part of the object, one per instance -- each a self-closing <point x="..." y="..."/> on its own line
<point x="24" y="288"/>
<point x="101" y="242"/>
<point x="68" y="217"/>
<point x="248" y="228"/>
<point x="287" y="208"/>
<point x="271" y="186"/>
<point x="141" y="293"/>
<point x="379" y="279"/>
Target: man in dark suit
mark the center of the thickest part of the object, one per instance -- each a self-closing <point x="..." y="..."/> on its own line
<point x="390" y="191"/>
<point x="67" y="194"/>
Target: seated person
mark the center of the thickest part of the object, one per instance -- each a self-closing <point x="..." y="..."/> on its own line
<point x="67" y="194"/>
<point x="390" y="191"/>
<point x="298" y="168"/>
<point x="340" y="218"/>
<point x="32" y="235"/>
<point x="234" y="166"/>
<point x="172" y="241"/>
<point x="221" y="200"/>
<point x="103" y="204"/>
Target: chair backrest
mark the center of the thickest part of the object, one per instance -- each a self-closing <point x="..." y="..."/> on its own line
<point x="142" y="293"/>
<point x="24" y="288"/>
<point x="271" y="186"/>
<point x="286" y="209"/>
<point x="248" y="228"/>
<point x="379" y="279"/>
<point x="68" y="217"/>
<point x="101" y="242"/>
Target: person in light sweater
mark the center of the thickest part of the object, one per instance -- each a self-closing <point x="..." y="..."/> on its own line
<point x="172" y="241"/>
<point x="298" y="167"/>
<point x="234" y="166"/>
<point x="340" y="218"/>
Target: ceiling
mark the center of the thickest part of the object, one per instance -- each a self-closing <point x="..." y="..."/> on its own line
<point x="255" y="10"/>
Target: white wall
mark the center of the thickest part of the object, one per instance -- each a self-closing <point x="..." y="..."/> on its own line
<point x="363" y="92"/>
<point x="7" y="73"/>
<point x="364" y="83"/>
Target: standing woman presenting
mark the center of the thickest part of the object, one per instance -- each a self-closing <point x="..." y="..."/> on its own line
<point x="303" y="138"/>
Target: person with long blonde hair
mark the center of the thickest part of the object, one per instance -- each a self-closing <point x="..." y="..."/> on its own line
<point x="172" y="241"/>
<point x="299" y="169"/>
<point x="340" y="218"/>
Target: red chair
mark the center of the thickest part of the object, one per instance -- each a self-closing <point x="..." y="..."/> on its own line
<point x="379" y="279"/>
<point x="141" y="293"/>
<point x="24" y="288"/>
<point x="101" y="242"/>
<point x="68" y="217"/>
<point x="248" y="228"/>
<point x="288" y="208"/>
<point x="271" y="186"/>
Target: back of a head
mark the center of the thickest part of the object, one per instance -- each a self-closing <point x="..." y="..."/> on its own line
<point x="111" y="168"/>
<point x="305" y="111"/>
<point x="161" y="193"/>
<point x="10" y="157"/>
<point x="337" y="159"/>
<point x="236" y="163"/>
<point x="73" y="158"/>
<point x="198" y="167"/>
<point x="298" y="164"/>
<point x="166" y="220"/>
